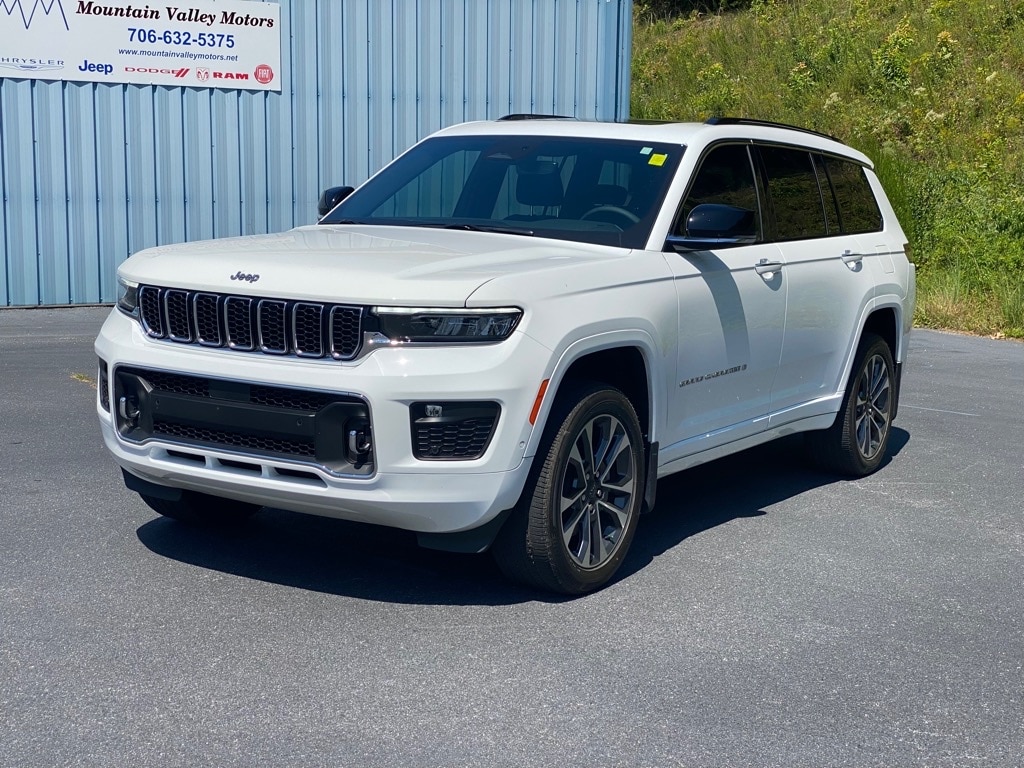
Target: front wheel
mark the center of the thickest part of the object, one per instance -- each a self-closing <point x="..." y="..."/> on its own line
<point x="573" y="526"/>
<point x="858" y="440"/>
<point x="201" y="509"/>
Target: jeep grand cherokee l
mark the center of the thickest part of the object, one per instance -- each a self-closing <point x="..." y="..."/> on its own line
<point x="507" y="335"/>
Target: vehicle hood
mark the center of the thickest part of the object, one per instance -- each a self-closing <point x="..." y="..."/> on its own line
<point x="358" y="264"/>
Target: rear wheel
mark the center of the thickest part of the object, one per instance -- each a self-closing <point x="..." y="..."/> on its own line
<point x="859" y="439"/>
<point x="577" y="516"/>
<point x="200" y="509"/>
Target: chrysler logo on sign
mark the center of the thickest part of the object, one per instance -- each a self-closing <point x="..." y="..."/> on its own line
<point x="42" y="7"/>
<point x="30" y="65"/>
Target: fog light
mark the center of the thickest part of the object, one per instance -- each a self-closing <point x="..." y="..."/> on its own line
<point x="452" y="431"/>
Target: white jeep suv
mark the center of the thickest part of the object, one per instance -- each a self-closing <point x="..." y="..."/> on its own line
<point x="507" y="335"/>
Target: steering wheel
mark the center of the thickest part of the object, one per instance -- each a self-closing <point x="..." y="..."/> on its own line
<point x="608" y="214"/>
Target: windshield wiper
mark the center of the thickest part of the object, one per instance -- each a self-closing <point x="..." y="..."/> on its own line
<point x="489" y="228"/>
<point x="435" y="225"/>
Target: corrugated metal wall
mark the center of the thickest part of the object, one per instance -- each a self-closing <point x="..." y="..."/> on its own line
<point x="91" y="173"/>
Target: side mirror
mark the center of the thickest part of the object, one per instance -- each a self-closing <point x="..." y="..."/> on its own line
<point x="713" y="225"/>
<point x="331" y="197"/>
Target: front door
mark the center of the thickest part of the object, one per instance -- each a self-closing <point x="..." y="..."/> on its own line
<point x="732" y="308"/>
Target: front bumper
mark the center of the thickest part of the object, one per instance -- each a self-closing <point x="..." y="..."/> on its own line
<point x="402" y="491"/>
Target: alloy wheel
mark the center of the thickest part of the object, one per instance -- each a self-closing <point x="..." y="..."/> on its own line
<point x="596" y="491"/>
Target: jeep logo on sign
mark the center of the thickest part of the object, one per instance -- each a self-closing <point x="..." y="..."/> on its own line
<point x="246" y="277"/>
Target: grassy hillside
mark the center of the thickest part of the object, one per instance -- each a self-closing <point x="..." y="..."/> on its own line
<point x="932" y="91"/>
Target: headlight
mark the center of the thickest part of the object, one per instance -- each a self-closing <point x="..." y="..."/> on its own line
<point x="127" y="296"/>
<point x="447" y="326"/>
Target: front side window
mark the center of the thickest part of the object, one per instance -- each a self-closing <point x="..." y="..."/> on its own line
<point x="725" y="177"/>
<point x="589" y="190"/>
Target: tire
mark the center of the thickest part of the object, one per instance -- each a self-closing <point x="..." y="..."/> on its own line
<point x="858" y="441"/>
<point x="202" y="510"/>
<point x="573" y="525"/>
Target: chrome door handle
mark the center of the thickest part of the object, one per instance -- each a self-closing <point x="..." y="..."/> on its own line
<point x="849" y="257"/>
<point x="767" y="269"/>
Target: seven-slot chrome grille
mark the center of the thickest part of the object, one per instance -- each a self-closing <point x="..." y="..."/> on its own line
<point x="251" y="324"/>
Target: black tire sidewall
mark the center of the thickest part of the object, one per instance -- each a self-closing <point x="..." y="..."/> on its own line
<point x="590" y="403"/>
<point x="870" y="347"/>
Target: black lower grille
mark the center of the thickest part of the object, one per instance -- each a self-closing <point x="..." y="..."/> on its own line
<point x="330" y="430"/>
<point x="182" y="385"/>
<point x="262" y="444"/>
<point x="251" y="324"/>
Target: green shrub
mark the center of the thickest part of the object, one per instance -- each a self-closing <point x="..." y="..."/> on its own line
<point x="932" y="92"/>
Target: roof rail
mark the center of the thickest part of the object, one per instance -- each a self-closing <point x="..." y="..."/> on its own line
<point x="767" y="123"/>
<point x="528" y="116"/>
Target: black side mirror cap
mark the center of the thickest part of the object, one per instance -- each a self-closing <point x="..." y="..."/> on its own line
<point x="712" y="225"/>
<point x="331" y="197"/>
<point x="711" y="221"/>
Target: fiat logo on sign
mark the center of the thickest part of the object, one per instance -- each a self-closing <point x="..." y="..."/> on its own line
<point x="264" y="73"/>
<point x="202" y="75"/>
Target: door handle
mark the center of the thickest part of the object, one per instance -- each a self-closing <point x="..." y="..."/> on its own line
<point x="767" y="269"/>
<point x="851" y="259"/>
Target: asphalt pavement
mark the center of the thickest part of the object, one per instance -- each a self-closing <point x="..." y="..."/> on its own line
<point x="767" y="615"/>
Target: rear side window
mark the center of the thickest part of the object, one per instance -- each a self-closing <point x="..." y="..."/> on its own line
<point x="858" y="209"/>
<point x="796" y="198"/>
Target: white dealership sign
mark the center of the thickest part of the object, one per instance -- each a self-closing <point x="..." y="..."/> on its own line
<point x="197" y="43"/>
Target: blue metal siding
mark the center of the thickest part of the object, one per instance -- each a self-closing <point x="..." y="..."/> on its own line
<point x="91" y="172"/>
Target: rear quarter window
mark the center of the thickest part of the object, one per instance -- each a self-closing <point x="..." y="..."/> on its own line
<point x="858" y="208"/>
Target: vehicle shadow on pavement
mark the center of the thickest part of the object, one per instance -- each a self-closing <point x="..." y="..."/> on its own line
<point x="383" y="564"/>
<point x="737" y="486"/>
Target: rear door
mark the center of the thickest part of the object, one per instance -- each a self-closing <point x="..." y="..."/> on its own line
<point x="829" y="269"/>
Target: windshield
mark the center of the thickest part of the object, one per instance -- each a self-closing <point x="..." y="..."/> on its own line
<point x="590" y="190"/>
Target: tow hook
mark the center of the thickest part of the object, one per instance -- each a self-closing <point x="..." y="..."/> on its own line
<point x="129" y="410"/>
<point x="359" y="444"/>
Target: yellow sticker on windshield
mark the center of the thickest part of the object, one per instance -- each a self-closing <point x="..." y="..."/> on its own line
<point x="657" y="159"/>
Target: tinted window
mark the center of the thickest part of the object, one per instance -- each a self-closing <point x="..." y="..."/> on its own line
<point x="726" y="177"/>
<point x="793" y="187"/>
<point x="828" y="200"/>
<point x="858" y="209"/>
<point x="434" y="192"/>
<point x="590" y="190"/>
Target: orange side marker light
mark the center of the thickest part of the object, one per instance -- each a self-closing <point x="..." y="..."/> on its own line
<point x="538" y="401"/>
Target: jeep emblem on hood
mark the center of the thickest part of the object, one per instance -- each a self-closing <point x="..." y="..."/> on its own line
<point x="243" y="276"/>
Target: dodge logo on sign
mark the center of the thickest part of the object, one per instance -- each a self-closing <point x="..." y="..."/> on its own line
<point x="202" y="75"/>
<point x="155" y="71"/>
